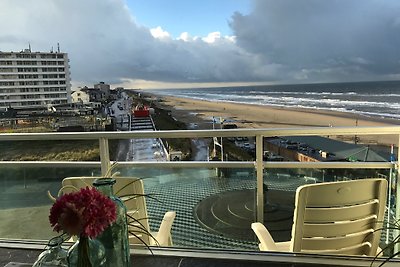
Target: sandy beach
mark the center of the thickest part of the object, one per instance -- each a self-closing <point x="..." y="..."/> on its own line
<point x="200" y="112"/>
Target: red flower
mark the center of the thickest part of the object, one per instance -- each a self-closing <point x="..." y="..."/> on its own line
<point x="86" y="212"/>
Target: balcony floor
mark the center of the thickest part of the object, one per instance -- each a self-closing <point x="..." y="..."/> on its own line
<point x="194" y="198"/>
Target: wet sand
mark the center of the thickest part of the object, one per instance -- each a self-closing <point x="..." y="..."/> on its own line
<point x="199" y="113"/>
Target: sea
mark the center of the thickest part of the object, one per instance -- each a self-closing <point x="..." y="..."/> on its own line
<point x="375" y="99"/>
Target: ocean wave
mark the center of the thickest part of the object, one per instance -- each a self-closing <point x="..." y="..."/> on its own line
<point x="383" y="95"/>
<point x="389" y="112"/>
<point x="317" y="101"/>
<point x="370" y="102"/>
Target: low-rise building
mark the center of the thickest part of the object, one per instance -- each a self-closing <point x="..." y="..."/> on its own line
<point x="321" y="149"/>
<point x="80" y="96"/>
<point x="86" y="94"/>
<point x="104" y="88"/>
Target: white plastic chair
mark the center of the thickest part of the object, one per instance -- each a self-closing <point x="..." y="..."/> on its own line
<point x="334" y="218"/>
<point x="125" y="188"/>
<point x="163" y="236"/>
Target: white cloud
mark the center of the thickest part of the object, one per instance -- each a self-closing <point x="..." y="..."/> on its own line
<point x="144" y="84"/>
<point x="231" y="38"/>
<point x="159" y="33"/>
<point x="212" y="37"/>
<point x="184" y="36"/>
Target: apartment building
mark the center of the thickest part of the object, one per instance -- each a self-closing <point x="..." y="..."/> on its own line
<point x="34" y="79"/>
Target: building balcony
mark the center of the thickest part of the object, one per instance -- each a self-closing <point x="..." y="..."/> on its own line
<point x="32" y="86"/>
<point x="215" y="201"/>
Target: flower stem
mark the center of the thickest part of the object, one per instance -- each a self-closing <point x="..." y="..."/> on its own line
<point x="83" y="252"/>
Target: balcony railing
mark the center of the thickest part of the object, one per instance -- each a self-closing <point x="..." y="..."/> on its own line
<point x="259" y="166"/>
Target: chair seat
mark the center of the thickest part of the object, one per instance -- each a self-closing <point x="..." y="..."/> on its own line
<point x="283" y="246"/>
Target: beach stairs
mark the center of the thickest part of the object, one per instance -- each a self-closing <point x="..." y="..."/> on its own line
<point x="142" y="123"/>
<point x="231" y="213"/>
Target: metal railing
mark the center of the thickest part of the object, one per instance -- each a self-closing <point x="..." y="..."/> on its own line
<point x="259" y="165"/>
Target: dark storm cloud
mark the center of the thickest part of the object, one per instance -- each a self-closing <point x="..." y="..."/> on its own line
<point x="324" y="39"/>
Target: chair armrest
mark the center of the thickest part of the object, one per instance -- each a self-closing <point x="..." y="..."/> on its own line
<point x="267" y="243"/>
<point x="163" y="236"/>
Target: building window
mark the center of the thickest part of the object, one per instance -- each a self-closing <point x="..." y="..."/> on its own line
<point x="7" y="83"/>
<point x="28" y="83"/>
<point x="3" y="55"/>
<point x="5" y="62"/>
<point x="6" y="70"/>
<point x="8" y="76"/>
<point x="28" y="76"/>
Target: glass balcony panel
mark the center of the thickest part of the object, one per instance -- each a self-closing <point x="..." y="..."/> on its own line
<point x="214" y="207"/>
<point x="24" y="202"/>
<point x="179" y="189"/>
<point x="281" y="184"/>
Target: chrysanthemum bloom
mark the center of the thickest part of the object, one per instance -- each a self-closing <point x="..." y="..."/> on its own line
<point x="71" y="220"/>
<point x="86" y="212"/>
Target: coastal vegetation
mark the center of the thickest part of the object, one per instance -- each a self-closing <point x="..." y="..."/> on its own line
<point x="77" y="150"/>
<point x="164" y="121"/>
<point x="54" y="150"/>
<point x="88" y="150"/>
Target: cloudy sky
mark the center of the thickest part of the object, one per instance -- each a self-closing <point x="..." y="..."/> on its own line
<point x="158" y="43"/>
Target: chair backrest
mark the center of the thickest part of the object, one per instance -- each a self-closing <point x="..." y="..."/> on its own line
<point x="125" y="188"/>
<point x="339" y="217"/>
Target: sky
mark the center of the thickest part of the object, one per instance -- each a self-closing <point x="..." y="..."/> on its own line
<point x="180" y="43"/>
<point x="181" y="16"/>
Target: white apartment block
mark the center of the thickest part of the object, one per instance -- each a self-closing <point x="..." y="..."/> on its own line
<point x="34" y="79"/>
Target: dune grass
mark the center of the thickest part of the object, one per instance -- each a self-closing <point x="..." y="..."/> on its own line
<point x="80" y="150"/>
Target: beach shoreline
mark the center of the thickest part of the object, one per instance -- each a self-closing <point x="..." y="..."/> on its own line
<point x="198" y="115"/>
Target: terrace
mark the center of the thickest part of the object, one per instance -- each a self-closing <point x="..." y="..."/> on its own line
<point x="188" y="188"/>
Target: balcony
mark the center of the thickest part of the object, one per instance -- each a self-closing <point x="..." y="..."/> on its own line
<point x="204" y="233"/>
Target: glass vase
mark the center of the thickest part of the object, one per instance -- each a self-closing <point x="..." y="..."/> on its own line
<point x="86" y="252"/>
<point x="54" y="256"/>
<point x="115" y="237"/>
